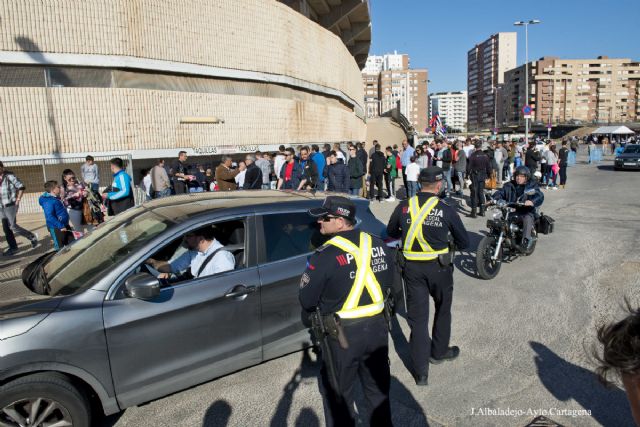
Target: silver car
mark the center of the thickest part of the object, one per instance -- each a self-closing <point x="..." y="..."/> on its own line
<point x="108" y="334"/>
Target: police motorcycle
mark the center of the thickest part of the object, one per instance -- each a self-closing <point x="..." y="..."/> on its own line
<point x="503" y="243"/>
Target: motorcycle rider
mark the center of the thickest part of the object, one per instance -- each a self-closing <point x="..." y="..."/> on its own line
<point x="515" y="191"/>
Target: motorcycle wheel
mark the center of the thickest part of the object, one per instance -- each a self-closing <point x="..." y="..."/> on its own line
<point x="486" y="267"/>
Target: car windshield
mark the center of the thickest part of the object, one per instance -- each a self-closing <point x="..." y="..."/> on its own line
<point x="81" y="264"/>
<point x="632" y="149"/>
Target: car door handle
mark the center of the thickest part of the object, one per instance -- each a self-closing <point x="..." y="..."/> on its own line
<point x="240" y="291"/>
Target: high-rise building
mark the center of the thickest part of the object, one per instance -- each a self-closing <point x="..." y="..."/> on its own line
<point x="601" y="90"/>
<point x="451" y="107"/>
<point x="486" y="65"/>
<point x="389" y="83"/>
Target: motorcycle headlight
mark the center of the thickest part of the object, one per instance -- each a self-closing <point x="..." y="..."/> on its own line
<point x="496" y="214"/>
<point x="514" y="228"/>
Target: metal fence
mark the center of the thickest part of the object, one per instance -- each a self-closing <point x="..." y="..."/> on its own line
<point x="35" y="172"/>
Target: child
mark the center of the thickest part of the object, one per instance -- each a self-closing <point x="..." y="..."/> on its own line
<point x="412" y="171"/>
<point x="56" y="215"/>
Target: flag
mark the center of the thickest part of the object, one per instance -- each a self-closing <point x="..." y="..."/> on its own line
<point x="436" y="125"/>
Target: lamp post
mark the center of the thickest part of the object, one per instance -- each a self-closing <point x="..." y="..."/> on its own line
<point x="526" y="68"/>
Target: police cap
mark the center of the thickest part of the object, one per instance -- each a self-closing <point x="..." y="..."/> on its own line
<point x="336" y="206"/>
<point x="431" y="174"/>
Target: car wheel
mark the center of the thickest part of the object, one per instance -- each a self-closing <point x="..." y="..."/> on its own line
<point x="43" y="399"/>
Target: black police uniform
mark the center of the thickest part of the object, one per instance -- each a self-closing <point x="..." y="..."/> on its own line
<point x="478" y="169"/>
<point x="326" y="283"/>
<point x="428" y="276"/>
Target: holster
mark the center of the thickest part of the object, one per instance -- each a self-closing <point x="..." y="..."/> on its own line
<point x="446" y="260"/>
<point x="389" y="308"/>
<point x="335" y="330"/>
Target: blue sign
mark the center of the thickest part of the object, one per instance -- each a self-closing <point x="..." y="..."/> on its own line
<point x="527" y="109"/>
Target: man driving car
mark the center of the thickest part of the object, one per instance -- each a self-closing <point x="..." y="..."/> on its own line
<point x="526" y="190"/>
<point x="205" y="257"/>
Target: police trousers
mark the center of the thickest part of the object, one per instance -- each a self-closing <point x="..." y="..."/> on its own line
<point x="424" y="279"/>
<point x="366" y="360"/>
<point x="477" y="192"/>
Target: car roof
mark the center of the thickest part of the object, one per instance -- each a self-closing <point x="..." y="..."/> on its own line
<point x="177" y="207"/>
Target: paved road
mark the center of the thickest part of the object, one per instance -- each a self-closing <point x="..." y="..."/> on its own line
<point x="523" y="335"/>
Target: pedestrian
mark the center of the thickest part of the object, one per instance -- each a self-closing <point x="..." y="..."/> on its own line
<point x="364" y="159"/>
<point x="446" y="158"/>
<point x="532" y="157"/>
<point x="11" y="192"/>
<point x="551" y="157"/>
<point x="338" y="175"/>
<point x="339" y="153"/>
<point x="460" y="167"/>
<point x="145" y="184"/>
<point x="239" y="178"/>
<point x="501" y="156"/>
<point x="90" y="175"/>
<point x="225" y="176"/>
<point x="310" y="173"/>
<point x="425" y="223"/>
<point x="405" y="159"/>
<point x="423" y="157"/>
<point x="180" y="175"/>
<point x="209" y="179"/>
<point x="195" y="182"/>
<point x="390" y="175"/>
<point x="56" y="215"/>
<point x="321" y="161"/>
<point x="345" y="284"/>
<point x="356" y="172"/>
<point x="265" y="167"/>
<point x="253" y="175"/>
<point x="377" y="164"/>
<point x="563" y="163"/>
<point x="412" y="170"/>
<point x="160" y="180"/>
<point x="620" y="357"/>
<point x="279" y="159"/>
<point x="74" y="194"/>
<point x="120" y="195"/>
<point x="290" y="174"/>
<point x="478" y="170"/>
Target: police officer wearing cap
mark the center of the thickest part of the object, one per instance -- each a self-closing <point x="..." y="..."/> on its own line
<point x="347" y="279"/>
<point x="428" y="225"/>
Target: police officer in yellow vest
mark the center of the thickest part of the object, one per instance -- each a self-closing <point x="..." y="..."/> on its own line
<point x="426" y="224"/>
<point x="347" y="279"/>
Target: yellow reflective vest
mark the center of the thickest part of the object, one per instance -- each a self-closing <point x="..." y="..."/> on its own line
<point x="365" y="279"/>
<point x="418" y="215"/>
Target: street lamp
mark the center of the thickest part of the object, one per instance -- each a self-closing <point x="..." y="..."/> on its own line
<point x="526" y="24"/>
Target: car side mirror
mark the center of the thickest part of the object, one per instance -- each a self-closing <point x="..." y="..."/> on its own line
<point x="142" y="286"/>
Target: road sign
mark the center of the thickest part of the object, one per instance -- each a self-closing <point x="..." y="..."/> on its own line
<point x="549" y="126"/>
<point x="527" y="110"/>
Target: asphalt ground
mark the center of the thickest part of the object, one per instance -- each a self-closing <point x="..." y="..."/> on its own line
<point x="525" y="336"/>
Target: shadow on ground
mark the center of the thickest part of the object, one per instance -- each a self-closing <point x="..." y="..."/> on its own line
<point x="465" y="260"/>
<point x="566" y="382"/>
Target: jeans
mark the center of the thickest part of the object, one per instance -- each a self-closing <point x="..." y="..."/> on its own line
<point x="268" y="186"/>
<point x="412" y="190"/>
<point x="499" y="174"/>
<point x="354" y="191"/>
<point x="390" y="183"/>
<point x="563" y="174"/>
<point x="95" y="187"/>
<point x="551" y="177"/>
<point x="11" y="228"/>
<point x="460" y="176"/>
<point x="164" y="193"/>
<point x="447" y="175"/>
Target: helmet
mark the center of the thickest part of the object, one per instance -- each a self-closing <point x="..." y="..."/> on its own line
<point x="523" y="170"/>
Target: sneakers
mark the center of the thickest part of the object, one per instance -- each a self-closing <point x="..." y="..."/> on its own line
<point x="452" y="353"/>
<point x="34" y="241"/>
<point x="390" y="199"/>
<point x="554" y="187"/>
<point x="10" y="252"/>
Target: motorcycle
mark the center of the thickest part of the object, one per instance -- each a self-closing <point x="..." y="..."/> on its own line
<point x="503" y="243"/>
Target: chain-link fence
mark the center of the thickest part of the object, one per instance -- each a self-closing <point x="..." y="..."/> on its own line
<point x="35" y="172"/>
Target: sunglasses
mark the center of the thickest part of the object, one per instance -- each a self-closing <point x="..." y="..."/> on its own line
<point x="328" y="218"/>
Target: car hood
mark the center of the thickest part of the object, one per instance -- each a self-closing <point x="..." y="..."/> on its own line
<point x="20" y="314"/>
<point x="628" y="156"/>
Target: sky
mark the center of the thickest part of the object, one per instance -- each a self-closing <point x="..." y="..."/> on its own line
<point x="438" y="34"/>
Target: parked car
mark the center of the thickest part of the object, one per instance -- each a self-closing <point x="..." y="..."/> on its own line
<point x="108" y="334"/>
<point x="629" y="158"/>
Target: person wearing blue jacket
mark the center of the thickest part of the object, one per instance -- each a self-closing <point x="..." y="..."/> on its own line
<point x="320" y="161"/>
<point x="120" y="195"/>
<point x="517" y="191"/>
<point x="56" y="215"/>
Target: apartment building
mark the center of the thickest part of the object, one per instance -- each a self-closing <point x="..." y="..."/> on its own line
<point x="601" y="90"/>
<point x="389" y="61"/>
<point x="486" y="64"/>
<point x="451" y="107"/>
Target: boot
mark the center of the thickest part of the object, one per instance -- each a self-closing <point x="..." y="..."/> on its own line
<point x="473" y="213"/>
<point x="481" y="212"/>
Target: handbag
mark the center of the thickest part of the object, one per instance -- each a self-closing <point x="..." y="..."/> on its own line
<point x="555" y="168"/>
<point x="87" y="214"/>
<point x="491" y="183"/>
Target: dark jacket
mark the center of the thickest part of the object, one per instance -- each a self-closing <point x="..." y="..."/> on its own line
<point x="364" y="158"/>
<point x="252" y="178"/>
<point x="310" y="173"/>
<point x="479" y="165"/>
<point x="531" y="159"/>
<point x="377" y="163"/>
<point x="446" y="160"/>
<point x="338" y="176"/>
<point x="563" y="156"/>
<point x="511" y="193"/>
<point x="356" y="171"/>
<point x="296" y="176"/>
<point x="54" y="211"/>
